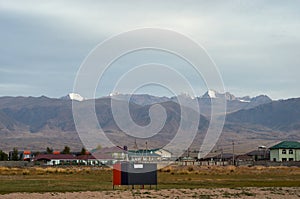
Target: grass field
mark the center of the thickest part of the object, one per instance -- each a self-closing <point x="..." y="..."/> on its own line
<point x="52" y="179"/>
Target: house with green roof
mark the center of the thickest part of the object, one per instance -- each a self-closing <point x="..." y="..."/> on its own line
<point x="149" y="155"/>
<point x="285" y="151"/>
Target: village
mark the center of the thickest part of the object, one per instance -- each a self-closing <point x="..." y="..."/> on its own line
<point x="285" y="153"/>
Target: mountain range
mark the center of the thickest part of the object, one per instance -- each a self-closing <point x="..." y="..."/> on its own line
<point x="233" y="103"/>
<point x="43" y="120"/>
<point x="280" y="115"/>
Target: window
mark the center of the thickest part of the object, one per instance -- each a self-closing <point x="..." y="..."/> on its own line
<point x="291" y="159"/>
<point x="283" y="151"/>
<point x="291" y="151"/>
<point x="274" y="159"/>
<point x="284" y="159"/>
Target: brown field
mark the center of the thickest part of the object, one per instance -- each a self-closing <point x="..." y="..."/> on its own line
<point x="173" y="182"/>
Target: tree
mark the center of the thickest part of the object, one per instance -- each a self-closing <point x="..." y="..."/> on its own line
<point x="36" y="153"/>
<point x="15" y="155"/>
<point x="99" y="147"/>
<point x="66" y="150"/>
<point x="83" y="151"/>
<point x="49" y="150"/>
<point x="3" y="156"/>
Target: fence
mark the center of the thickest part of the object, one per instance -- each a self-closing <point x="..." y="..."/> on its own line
<point x="270" y="163"/>
<point x="239" y="163"/>
<point x="15" y="163"/>
<point x="204" y="163"/>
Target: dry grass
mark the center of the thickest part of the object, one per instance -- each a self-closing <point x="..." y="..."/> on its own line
<point x="44" y="170"/>
<point x="219" y="170"/>
<point x="63" y="179"/>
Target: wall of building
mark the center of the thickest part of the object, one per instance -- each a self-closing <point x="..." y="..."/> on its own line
<point x="274" y="154"/>
<point x="297" y="154"/>
<point x="163" y="153"/>
<point x="280" y="156"/>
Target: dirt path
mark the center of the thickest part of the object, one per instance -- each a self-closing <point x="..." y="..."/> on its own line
<point x="266" y="193"/>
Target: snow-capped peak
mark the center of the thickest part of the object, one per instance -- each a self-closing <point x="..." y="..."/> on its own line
<point x="114" y="94"/>
<point x="73" y="96"/>
<point x="212" y="94"/>
<point x="246" y="101"/>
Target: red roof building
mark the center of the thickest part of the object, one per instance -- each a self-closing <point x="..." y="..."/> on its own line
<point x="56" y="159"/>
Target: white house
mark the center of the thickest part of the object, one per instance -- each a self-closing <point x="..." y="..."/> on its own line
<point x="285" y="151"/>
<point x="56" y="159"/>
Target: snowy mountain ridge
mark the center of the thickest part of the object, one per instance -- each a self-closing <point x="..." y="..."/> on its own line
<point x="73" y="96"/>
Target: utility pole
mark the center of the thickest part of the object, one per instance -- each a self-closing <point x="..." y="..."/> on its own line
<point x="221" y="154"/>
<point x="233" y="160"/>
<point x="220" y="150"/>
<point x="147" y="151"/>
<point x="146" y="146"/>
<point x="135" y="145"/>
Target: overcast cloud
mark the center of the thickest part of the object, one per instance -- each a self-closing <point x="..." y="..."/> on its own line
<point x="255" y="44"/>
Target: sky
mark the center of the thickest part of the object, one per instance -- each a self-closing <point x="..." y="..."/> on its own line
<point x="255" y="44"/>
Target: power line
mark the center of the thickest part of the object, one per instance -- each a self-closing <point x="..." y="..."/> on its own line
<point x="233" y="160"/>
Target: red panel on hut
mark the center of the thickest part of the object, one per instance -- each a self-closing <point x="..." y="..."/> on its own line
<point x="117" y="174"/>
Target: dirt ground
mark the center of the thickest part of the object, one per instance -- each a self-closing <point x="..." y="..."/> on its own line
<point x="266" y="193"/>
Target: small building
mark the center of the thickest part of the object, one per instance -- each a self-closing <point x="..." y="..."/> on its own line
<point x="243" y="160"/>
<point x="285" y="151"/>
<point x="88" y="159"/>
<point x="260" y="154"/>
<point x="219" y="157"/>
<point x="165" y="154"/>
<point x="56" y="159"/>
<point x="143" y="156"/>
<point x="25" y="155"/>
<point x="189" y="153"/>
<point x="149" y="155"/>
<point x="110" y="155"/>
